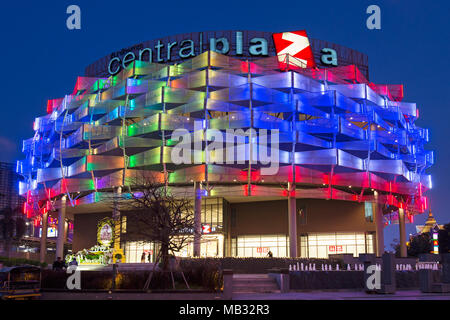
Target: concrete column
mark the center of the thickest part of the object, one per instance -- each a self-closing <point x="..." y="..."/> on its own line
<point x="43" y="251"/>
<point x="61" y="226"/>
<point x="378" y="219"/>
<point x="66" y="229"/>
<point x="401" y="224"/>
<point x="292" y="218"/>
<point x="197" y="218"/>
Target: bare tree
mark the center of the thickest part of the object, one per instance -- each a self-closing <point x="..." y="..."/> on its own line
<point x="156" y="215"/>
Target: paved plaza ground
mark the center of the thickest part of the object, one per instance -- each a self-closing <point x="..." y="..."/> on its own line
<point x="309" y="295"/>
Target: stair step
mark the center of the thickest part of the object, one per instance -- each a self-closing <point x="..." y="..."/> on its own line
<point x="256" y="291"/>
<point x="251" y="276"/>
<point x="254" y="283"/>
<point x="259" y="285"/>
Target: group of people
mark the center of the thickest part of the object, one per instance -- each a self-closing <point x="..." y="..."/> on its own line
<point x="149" y="257"/>
<point x="59" y="264"/>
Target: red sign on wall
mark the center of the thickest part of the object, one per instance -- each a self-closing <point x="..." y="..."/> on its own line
<point x="294" y="46"/>
<point x="262" y="250"/>
<point x="206" y="228"/>
<point x="335" y="249"/>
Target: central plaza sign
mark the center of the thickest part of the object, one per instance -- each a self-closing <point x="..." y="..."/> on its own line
<point x="165" y="52"/>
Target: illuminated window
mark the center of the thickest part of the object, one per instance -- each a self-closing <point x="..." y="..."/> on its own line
<point x="212" y="213"/>
<point x="368" y="211"/>
<point x="320" y="245"/>
<point x="259" y="246"/>
<point x="124" y="224"/>
<point x="302" y="216"/>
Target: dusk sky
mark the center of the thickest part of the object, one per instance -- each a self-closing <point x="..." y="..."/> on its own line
<point x="41" y="58"/>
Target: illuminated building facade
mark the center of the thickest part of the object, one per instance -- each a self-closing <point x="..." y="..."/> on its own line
<point x="350" y="158"/>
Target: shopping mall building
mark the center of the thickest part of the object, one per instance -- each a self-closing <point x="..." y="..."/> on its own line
<point x="345" y="159"/>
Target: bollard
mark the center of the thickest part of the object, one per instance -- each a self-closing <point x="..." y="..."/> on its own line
<point x="114" y="275"/>
<point x="425" y="274"/>
<point x="388" y="284"/>
<point x="284" y="280"/>
<point x="227" y="284"/>
<point x="445" y="267"/>
<point x="444" y="285"/>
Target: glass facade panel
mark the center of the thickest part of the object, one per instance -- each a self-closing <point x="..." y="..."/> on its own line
<point x="135" y="249"/>
<point x="212" y="213"/>
<point x="259" y="246"/>
<point x="211" y="245"/>
<point x="368" y="211"/>
<point x="320" y="245"/>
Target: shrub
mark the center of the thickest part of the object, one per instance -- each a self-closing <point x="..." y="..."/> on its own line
<point x="206" y="272"/>
<point x="9" y="262"/>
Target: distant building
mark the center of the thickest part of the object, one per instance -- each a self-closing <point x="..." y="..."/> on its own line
<point x="9" y="193"/>
<point x="430" y="225"/>
<point x="9" y="187"/>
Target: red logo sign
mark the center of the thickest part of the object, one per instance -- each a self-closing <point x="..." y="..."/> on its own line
<point x="293" y="47"/>
<point x="206" y="228"/>
<point x="262" y="250"/>
<point x="335" y="248"/>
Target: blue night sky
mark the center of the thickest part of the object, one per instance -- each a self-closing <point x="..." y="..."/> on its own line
<point x="41" y="58"/>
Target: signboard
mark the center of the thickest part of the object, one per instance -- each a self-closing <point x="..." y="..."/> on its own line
<point x="262" y="250"/>
<point x="51" y="232"/>
<point x="335" y="249"/>
<point x="105" y="232"/>
<point x="206" y="228"/>
<point x="295" y="47"/>
<point x="241" y="44"/>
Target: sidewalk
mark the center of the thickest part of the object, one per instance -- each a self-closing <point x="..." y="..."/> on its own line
<point x="310" y="295"/>
<point x="344" y="295"/>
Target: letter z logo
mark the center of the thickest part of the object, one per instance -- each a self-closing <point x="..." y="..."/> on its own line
<point x="294" y="44"/>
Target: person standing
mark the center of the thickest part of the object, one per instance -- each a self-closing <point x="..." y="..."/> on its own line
<point x="58" y="265"/>
<point x="143" y="257"/>
<point x="73" y="262"/>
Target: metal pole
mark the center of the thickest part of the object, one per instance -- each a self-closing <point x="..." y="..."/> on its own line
<point x="401" y="224"/>
<point x="61" y="227"/>
<point x="197" y="218"/>
<point x="378" y="217"/>
<point x="43" y="251"/>
<point x="292" y="212"/>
